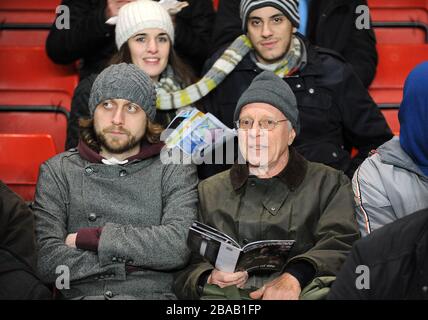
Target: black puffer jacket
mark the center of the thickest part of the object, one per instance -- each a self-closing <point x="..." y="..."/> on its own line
<point x="396" y="257"/>
<point x="93" y="41"/>
<point x="336" y="111"/>
<point x="331" y="24"/>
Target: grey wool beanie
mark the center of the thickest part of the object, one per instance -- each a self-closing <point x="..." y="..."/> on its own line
<point x="268" y="88"/>
<point x="124" y="81"/>
<point x="290" y="8"/>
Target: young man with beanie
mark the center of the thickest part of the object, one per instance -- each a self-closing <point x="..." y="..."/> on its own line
<point x="393" y="182"/>
<point x="336" y="111"/>
<point x="277" y="194"/>
<point x="325" y="23"/>
<point x="109" y="211"/>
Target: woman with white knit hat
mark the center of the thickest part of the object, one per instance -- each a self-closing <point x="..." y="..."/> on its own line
<point x="145" y="37"/>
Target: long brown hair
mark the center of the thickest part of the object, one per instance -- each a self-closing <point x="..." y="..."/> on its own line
<point x="88" y="136"/>
<point x="181" y="70"/>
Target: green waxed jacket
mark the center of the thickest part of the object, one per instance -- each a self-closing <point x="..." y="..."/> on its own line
<point x="308" y="202"/>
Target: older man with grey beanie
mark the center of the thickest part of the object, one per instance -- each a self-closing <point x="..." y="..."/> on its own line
<point x="275" y="194"/>
<point x="110" y="212"/>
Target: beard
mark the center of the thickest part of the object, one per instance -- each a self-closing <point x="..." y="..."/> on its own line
<point x="115" y="145"/>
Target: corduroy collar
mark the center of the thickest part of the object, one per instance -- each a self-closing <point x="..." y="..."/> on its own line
<point x="292" y="175"/>
<point x="147" y="150"/>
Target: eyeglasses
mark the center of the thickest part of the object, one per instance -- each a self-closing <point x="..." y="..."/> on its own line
<point x="266" y="124"/>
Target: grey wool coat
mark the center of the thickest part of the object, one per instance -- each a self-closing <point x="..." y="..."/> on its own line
<point x="144" y="208"/>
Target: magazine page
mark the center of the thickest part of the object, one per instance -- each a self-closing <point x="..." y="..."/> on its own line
<point x="208" y="229"/>
<point x="214" y="247"/>
<point x="204" y="245"/>
<point x="267" y="255"/>
<point x="197" y="133"/>
<point x="227" y="257"/>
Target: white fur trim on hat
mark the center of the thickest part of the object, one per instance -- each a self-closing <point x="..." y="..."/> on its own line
<point x="139" y="15"/>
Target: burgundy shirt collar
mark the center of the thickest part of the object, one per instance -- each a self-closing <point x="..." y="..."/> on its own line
<point x="147" y="150"/>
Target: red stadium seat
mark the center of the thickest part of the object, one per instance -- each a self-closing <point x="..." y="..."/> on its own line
<point x="29" y="68"/>
<point x="399" y="11"/>
<point x="391" y="116"/>
<point x="215" y="3"/>
<point x="395" y="63"/>
<point x="28" y="11"/>
<point x="20" y="159"/>
<point x="53" y="124"/>
<point x="23" y="38"/>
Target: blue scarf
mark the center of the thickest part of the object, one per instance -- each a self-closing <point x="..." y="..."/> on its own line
<point x="413" y="116"/>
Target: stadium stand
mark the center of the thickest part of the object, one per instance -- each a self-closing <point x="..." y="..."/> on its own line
<point x="395" y="63"/>
<point x="400" y="21"/>
<point x="35" y="93"/>
<point x="20" y="159"/>
<point x="27" y="12"/>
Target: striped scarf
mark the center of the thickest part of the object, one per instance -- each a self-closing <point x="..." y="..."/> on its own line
<point x="221" y="68"/>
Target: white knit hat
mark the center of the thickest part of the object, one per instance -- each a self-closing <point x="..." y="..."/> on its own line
<point x="142" y="14"/>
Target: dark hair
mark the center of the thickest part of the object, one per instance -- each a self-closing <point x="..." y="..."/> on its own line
<point x="181" y="70"/>
<point x="88" y="136"/>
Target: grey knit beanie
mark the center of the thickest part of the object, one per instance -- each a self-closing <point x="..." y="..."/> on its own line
<point x="268" y="88"/>
<point x="124" y="81"/>
<point x="290" y="8"/>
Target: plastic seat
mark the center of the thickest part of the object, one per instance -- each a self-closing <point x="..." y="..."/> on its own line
<point x="398" y="10"/>
<point x="23" y="38"/>
<point x="395" y="11"/>
<point x="391" y="117"/>
<point x="53" y="124"/>
<point x="29" y="68"/>
<point x="215" y="4"/>
<point x="28" y="11"/>
<point x="20" y="158"/>
<point x="395" y="63"/>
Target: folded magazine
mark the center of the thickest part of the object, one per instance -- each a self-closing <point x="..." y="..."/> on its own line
<point x="227" y="255"/>
<point x="197" y="133"/>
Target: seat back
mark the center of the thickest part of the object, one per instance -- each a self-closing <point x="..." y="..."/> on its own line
<point x="20" y="158"/>
<point x="395" y="63"/>
<point x="29" y="68"/>
<point x="28" y="11"/>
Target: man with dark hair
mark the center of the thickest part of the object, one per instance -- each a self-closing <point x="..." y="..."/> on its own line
<point x="326" y="23"/>
<point x="110" y="211"/>
<point x="336" y="111"/>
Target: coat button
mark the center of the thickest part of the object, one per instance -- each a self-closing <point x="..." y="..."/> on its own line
<point x="114" y="259"/>
<point x="273" y="208"/>
<point x="89" y="170"/>
<point x="311" y="91"/>
<point x="425" y="289"/>
<point x="334" y="154"/>
<point x="123" y="173"/>
<point x="92" y="217"/>
<point x="252" y="184"/>
<point x="298" y="86"/>
<point x="108" y="294"/>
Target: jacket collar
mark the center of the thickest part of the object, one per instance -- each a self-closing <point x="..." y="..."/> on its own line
<point x="292" y="175"/>
<point x="147" y="150"/>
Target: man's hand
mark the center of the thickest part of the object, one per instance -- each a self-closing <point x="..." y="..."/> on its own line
<point x="113" y="6"/>
<point x="226" y="279"/>
<point x="71" y="240"/>
<point x="285" y="287"/>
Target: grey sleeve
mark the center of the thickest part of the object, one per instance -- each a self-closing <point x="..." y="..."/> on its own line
<point x="163" y="246"/>
<point x="51" y="216"/>
<point x="372" y="206"/>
